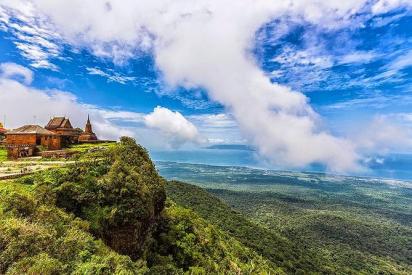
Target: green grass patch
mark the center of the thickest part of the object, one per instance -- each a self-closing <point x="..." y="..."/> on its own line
<point x="84" y="147"/>
<point x="3" y="154"/>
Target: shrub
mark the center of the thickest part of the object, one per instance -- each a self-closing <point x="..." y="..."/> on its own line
<point x="18" y="204"/>
<point x="39" y="264"/>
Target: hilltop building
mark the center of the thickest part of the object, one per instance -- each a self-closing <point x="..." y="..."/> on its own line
<point x="63" y="127"/>
<point x="88" y="134"/>
<point x="23" y="141"/>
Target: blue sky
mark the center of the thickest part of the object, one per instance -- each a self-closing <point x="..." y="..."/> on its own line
<point x="340" y="74"/>
<point x="350" y="69"/>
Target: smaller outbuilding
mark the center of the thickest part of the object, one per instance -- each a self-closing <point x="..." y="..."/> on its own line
<point x="24" y="141"/>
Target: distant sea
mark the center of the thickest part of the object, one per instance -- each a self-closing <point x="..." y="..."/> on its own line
<point x="394" y="166"/>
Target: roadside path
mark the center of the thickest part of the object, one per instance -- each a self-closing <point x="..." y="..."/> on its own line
<point x="16" y="169"/>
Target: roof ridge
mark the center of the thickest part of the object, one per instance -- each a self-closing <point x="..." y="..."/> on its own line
<point x="31" y="129"/>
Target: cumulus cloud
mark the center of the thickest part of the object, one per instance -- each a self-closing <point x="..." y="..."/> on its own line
<point x="173" y="124"/>
<point x="207" y="44"/>
<point x="9" y="70"/>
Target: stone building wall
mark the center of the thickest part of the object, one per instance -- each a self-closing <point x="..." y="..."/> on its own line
<point x="25" y="145"/>
<point x="51" y="142"/>
<point x="21" y="139"/>
<point x="19" y="151"/>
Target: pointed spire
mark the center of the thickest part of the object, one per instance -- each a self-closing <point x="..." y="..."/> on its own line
<point x="88" y="128"/>
<point x="88" y="134"/>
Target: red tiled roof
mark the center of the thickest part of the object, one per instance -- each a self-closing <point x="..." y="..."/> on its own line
<point x="30" y="129"/>
<point x="55" y="122"/>
<point x="58" y="122"/>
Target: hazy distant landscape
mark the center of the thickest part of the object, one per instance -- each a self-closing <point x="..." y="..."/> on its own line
<point x="352" y="221"/>
<point x="392" y="166"/>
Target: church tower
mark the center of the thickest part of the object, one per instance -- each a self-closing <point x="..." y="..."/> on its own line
<point x="88" y="134"/>
<point x="88" y="129"/>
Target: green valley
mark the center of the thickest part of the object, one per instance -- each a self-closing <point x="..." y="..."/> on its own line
<point x="345" y="225"/>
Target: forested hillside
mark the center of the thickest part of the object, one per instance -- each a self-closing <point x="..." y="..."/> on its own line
<point x="293" y="258"/>
<point x="345" y="225"/>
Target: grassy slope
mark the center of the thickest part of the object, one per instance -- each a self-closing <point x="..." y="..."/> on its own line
<point x="83" y="147"/>
<point x="3" y="154"/>
<point x="337" y="236"/>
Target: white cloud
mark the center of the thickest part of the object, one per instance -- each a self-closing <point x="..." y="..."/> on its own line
<point x="357" y="57"/>
<point x="111" y="75"/>
<point x="312" y="68"/>
<point x="385" y="134"/>
<point x="383" y="6"/>
<point x="124" y="116"/>
<point x="306" y="57"/>
<point x="386" y="20"/>
<point x="218" y="128"/>
<point x="221" y="120"/>
<point x="12" y="70"/>
<point x="206" y="44"/>
<point x="172" y="124"/>
<point x="35" y="38"/>
<point x="372" y="101"/>
<point x="36" y="54"/>
<point x="401" y="62"/>
<point x="407" y="117"/>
